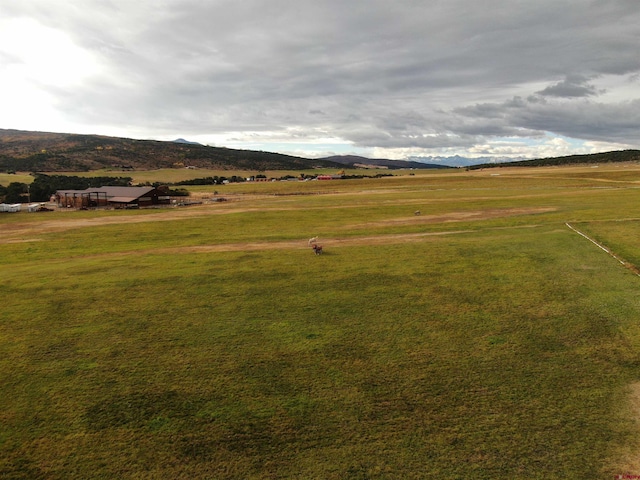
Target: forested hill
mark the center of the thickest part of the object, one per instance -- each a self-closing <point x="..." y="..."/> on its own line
<point x="61" y="152"/>
<point x="608" y="157"/>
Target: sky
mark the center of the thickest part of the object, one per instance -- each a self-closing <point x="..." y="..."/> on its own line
<point x="402" y="79"/>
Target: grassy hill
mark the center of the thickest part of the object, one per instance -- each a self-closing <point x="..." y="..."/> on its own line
<point x="607" y="157"/>
<point x="57" y="152"/>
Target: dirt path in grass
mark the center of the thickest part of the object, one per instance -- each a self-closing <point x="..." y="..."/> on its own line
<point x="58" y="222"/>
<point x="630" y="460"/>
<point x="302" y="244"/>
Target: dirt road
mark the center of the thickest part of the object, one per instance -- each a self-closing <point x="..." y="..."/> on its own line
<point x="57" y="222"/>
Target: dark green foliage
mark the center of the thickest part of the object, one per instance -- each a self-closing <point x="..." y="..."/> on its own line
<point x="215" y="180"/>
<point x="178" y="192"/>
<point x="202" y="181"/>
<point x="16" y="192"/>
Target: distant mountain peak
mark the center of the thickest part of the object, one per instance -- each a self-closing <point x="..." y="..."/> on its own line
<point x="355" y="160"/>
<point x="182" y="140"/>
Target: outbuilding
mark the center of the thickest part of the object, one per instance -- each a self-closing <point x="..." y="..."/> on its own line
<point x="117" y="197"/>
<point x="10" y="207"/>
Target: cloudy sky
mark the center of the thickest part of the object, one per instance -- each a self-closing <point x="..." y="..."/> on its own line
<point x="387" y="79"/>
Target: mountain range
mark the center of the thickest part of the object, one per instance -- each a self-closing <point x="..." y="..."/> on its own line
<point x="64" y="152"/>
<point x="363" y="162"/>
<point x="58" y="152"/>
<point x="28" y="151"/>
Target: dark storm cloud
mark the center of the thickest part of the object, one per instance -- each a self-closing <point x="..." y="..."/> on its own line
<point x="572" y="86"/>
<point x="615" y="122"/>
<point x="376" y="73"/>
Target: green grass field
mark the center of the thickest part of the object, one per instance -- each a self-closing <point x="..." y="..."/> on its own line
<point x="7" y="178"/>
<point x="482" y="339"/>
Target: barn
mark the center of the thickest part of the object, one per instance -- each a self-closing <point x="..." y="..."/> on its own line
<point x="116" y="197"/>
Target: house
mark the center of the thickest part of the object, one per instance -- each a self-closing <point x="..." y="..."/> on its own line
<point x="117" y="197"/>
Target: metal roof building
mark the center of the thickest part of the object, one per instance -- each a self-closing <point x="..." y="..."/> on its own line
<point x="117" y="197"/>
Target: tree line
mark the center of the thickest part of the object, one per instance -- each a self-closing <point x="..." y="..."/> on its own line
<point x="43" y="186"/>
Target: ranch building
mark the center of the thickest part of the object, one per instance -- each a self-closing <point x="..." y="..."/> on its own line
<point x="115" y="197"/>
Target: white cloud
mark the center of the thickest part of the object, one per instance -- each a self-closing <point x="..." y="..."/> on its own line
<point x="42" y="55"/>
<point x="396" y="78"/>
<point x="37" y="60"/>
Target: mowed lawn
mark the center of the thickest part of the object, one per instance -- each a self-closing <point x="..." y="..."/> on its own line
<point x="482" y="339"/>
